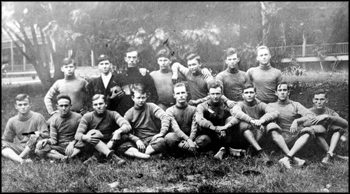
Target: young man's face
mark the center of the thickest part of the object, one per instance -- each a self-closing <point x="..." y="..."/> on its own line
<point x="232" y="61"/>
<point x="105" y="66"/>
<point x="282" y="92"/>
<point x="193" y="65"/>
<point x="215" y="94"/>
<point x="68" y="70"/>
<point x="248" y="94"/>
<point x="139" y="99"/>
<point x="63" y="105"/>
<point x="23" y="106"/>
<point x="131" y="58"/>
<point x="180" y="95"/>
<point x="320" y="101"/>
<point x="99" y="106"/>
<point x="164" y="63"/>
<point x="263" y="56"/>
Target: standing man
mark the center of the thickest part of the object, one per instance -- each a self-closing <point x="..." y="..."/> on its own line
<point x="254" y="116"/>
<point x="134" y="76"/>
<point x="215" y="121"/>
<point x="232" y="78"/>
<point x="183" y="138"/>
<point x="27" y="126"/>
<point x="98" y="129"/>
<point x="149" y="123"/>
<point x="291" y="118"/>
<point x="71" y="85"/>
<point x="105" y="84"/>
<point x="63" y="127"/>
<point x="196" y="78"/>
<point x="264" y="77"/>
<point x="163" y="80"/>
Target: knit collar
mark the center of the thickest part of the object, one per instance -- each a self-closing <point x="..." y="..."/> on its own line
<point x="181" y="107"/>
<point x="100" y="115"/>
<point x="233" y="71"/>
<point x="318" y="111"/>
<point x="67" y="115"/>
<point x="252" y="103"/>
<point x="286" y="102"/>
<point x="25" y="117"/>
<point x="265" y="67"/>
<point x="212" y="104"/>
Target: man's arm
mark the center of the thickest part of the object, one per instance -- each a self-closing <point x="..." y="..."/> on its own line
<point x="124" y="125"/>
<point x="203" y="122"/>
<point x="239" y="114"/>
<point x="9" y="133"/>
<point x="82" y="129"/>
<point x="270" y="113"/>
<point x="176" y="67"/>
<point x="337" y="120"/>
<point x="53" y="133"/>
<point x="175" y="126"/>
<point x="194" y="127"/>
<point x="49" y="96"/>
<point x="42" y="127"/>
<point x="164" y="118"/>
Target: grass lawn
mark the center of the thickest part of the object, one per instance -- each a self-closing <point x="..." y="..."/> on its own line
<point x="190" y="174"/>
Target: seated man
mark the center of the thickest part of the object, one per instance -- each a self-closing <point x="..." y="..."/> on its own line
<point x="215" y="121"/>
<point x="99" y="128"/>
<point x="183" y="123"/>
<point x="292" y="115"/>
<point x="63" y="127"/>
<point x="149" y="124"/>
<point x="254" y="116"/>
<point x="27" y="126"/>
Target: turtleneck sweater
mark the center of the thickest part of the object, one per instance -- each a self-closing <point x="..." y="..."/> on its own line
<point x="233" y="82"/>
<point x="164" y="86"/>
<point x="255" y="110"/>
<point x="289" y="111"/>
<point x="183" y="122"/>
<point x="265" y="79"/>
<point x="74" y="87"/>
<point x="63" y="128"/>
<point x="107" y="123"/>
<point x="127" y="80"/>
<point x="20" y="124"/>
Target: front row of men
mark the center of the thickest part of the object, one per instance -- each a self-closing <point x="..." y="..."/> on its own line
<point x="146" y="129"/>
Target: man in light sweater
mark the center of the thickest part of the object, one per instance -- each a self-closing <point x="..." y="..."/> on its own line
<point x="98" y="130"/>
<point x="71" y="85"/>
<point x="232" y="78"/>
<point x="27" y="127"/>
<point x="149" y="124"/>
<point x="254" y="118"/>
<point x="264" y="77"/>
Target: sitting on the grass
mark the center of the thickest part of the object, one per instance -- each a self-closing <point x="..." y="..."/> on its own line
<point x="254" y="118"/>
<point x="290" y="120"/>
<point x="98" y="130"/>
<point x="63" y="127"/>
<point x="23" y="131"/>
<point x="216" y="122"/>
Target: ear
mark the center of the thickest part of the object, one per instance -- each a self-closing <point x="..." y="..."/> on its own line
<point x="62" y="68"/>
<point x="125" y="59"/>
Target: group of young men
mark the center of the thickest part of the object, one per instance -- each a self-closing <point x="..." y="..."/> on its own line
<point x="175" y="110"/>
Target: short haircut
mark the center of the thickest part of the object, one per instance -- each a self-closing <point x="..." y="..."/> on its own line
<point x="63" y="96"/>
<point x="262" y="47"/>
<point x="103" y="58"/>
<point x="163" y="53"/>
<point x="140" y="88"/>
<point x="98" y="96"/>
<point x="193" y="56"/>
<point x="21" y="97"/>
<point x="289" y="87"/>
<point x="132" y="49"/>
<point x="215" y="84"/>
<point x="67" y="61"/>
<point x="320" y="91"/>
<point x="230" y="51"/>
<point x="247" y="86"/>
<point x="178" y="85"/>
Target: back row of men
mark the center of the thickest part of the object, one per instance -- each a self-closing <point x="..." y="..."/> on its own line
<point x="137" y="114"/>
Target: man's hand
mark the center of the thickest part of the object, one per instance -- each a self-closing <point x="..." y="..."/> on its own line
<point x="206" y="72"/>
<point x="175" y="78"/>
<point x="116" y="91"/>
<point x="41" y="144"/>
<point x="140" y="146"/>
<point x="90" y="139"/>
<point x="221" y="130"/>
<point x="191" y="146"/>
<point x="110" y="144"/>
<point x="193" y="102"/>
<point x="116" y="135"/>
<point x="319" y="118"/>
<point x="294" y="126"/>
<point x="156" y="136"/>
<point x="69" y="148"/>
<point x="231" y="103"/>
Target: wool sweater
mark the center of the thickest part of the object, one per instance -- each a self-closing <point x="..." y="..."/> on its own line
<point x="63" y="129"/>
<point x="183" y="121"/>
<point x="233" y="82"/>
<point x="75" y="88"/>
<point x="164" y="86"/>
<point x="265" y="80"/>
<point x="111" y="122"/>
<point x="19" y="124"/>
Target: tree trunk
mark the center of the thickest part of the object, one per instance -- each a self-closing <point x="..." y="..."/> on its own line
<point x="263" y="22"/>
<point x="304" y="49"/>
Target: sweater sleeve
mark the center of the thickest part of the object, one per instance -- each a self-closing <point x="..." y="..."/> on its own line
<point x="123" y="124"/>
<point x="53" y="133"/>
<point x="175" y="126"/>
<point x="49" y="96"/>
<point x="200" y="117"/>
<point x="82" y="127"/>
<point x="164" y="118"/>
<point x="194" y="127"/>
<point x="42" y="127"/>
<point x="9" y="133"/>
<point x="133" y="138"/>
<point x="239" y="114"/>
<point x="270" y="113"/>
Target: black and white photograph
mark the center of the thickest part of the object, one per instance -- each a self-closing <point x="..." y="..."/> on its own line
<point x="174" y="96"/>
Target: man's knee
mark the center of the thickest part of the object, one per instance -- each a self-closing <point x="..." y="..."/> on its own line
<point x="273" y="129"/>
<point x="159" y="144"/>
<point x="171" y="139"/>
<point x="308" y="130"/>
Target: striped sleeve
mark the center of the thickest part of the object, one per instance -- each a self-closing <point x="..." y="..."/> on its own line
<point x="194" y="127"/>
<point x="200" y="117"/>
<point x="164" y="118"/>
<point x="53" y="132"/>
<point x="82" y="127"/>
<point x="174" y="125"/>
<point x="49" y="96"/>
<point x="123" y="124"/>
